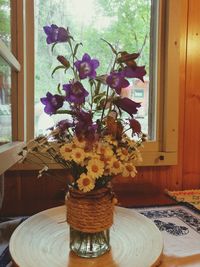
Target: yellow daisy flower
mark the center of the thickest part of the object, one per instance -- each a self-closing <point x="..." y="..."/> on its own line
<point x="123" y="153"/>
<point x="100" y="148"/>
<point x="78" y="155"/>
<point x="136" y="156"/>
<point x="104" y="150"/>
<point x="115" y="166"/>
<point x="85" y="183"/>
<point x="66" y="150"/>
<point x="95" y="156"/>
<point x="109" y="139"/>
<point x="95" y="168"/>
<point x="91" y="153"/>
<point x="131" y="143"/>
<point x="79" y="142"/>
<point x="129" y="170"/>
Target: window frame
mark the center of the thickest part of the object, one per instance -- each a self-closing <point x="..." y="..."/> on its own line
<point x="163" y="151"/>
<point x="9" y="151"/>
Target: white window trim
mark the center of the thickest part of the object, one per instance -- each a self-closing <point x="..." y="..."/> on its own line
<point x="9" y="155"/>
<point x="165" y="150"/>
<point x="8" y="56"/>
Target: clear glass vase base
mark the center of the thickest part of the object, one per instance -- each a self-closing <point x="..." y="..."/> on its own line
<point x="89" y="245"/>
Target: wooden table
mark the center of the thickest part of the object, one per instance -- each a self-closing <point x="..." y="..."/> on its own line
<point x="43" y="240"/>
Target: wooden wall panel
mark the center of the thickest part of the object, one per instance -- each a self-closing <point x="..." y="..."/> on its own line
<point x="191" y="161"/>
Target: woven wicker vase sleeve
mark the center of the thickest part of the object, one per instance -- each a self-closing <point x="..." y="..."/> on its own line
<point x="90" y="213"/>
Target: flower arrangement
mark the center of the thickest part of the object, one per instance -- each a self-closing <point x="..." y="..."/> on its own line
<point x="93" y="140"/>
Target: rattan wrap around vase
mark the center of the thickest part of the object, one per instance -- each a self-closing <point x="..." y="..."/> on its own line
<point x="90" y="212"/>
<point x="90" y="216"/>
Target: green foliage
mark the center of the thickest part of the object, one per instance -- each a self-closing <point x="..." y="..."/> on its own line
<point x="5" y="21"/>
<point x="127" y="24"/>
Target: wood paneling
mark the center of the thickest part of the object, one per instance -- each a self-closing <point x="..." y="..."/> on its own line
<point x="191" y="158"/>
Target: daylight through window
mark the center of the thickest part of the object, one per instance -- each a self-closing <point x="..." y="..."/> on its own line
<point x="127" y="25"/>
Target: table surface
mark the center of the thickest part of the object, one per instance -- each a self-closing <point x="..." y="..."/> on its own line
<point x="43" y="240"/>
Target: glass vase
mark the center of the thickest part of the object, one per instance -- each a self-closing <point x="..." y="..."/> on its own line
<point x="89" y="245"/>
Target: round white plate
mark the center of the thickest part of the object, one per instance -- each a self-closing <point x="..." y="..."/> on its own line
<point x="43" y="240"/>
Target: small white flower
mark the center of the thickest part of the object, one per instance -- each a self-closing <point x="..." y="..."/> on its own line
<point x="44" y="169"/>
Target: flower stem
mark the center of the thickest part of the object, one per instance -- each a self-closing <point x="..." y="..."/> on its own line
<point x="107" y="91"/>
<point x="72" y="51"/>
<point x="106" y="101"/>
<point x="126" y="130"/>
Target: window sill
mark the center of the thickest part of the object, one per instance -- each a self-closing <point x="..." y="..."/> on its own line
<point x="160" y="158"/>
<point x="9" y="155"/>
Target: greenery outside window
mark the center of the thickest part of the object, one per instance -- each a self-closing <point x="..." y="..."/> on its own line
<point x="125" y="24"/>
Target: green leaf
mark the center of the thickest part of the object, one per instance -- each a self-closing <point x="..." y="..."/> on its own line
<point x="58" y="89"/>
<point x="66" y="68"/>
<point x="101" y="78"/>
<point x="76" y="48"/>
<point x="52" y="48"/>
<point x="98" y="97"/>
<point x="71" y="37"/>
<point x="65" y="112"/>
<point x="120" y="112"/>
<point x="112" y="48"/>
<point x="57" y="68"/>
<point x="97" y="89"/>
<point x="92" y="82"/>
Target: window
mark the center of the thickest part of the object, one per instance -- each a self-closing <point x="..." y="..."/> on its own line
<point x="9" y="69"/>
<point x="145" y="26"/>
<point x="5" y="102"/>
<point x="5" y="76"/>
<point x="5" y="22"/>
<point x="125" y="24"/>
<point x="162" y="45"/>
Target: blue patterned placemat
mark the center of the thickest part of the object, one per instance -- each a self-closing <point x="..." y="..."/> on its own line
<point x="180" y="228"/>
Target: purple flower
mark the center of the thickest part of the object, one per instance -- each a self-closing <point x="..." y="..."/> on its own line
<point x="64" y="125"/>
<point x="75" y="92"/>
<point x="127" y="105"/>
<point x="52" y="103"/>
<point x="135" y="126"/>
<point x="117" y="81"/>
<point x="88" y="132"/>
<point x="135" y="72"/>
<point x="84" y="117"/>
<point x="86" y="67"/>
<point x="56" y="34"/>
<point x="84" y="126"/>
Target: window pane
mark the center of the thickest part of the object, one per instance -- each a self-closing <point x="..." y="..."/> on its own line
<point x="125" y="24"/>
<point x="5" y="103"/>
<point x="5" y="31"/>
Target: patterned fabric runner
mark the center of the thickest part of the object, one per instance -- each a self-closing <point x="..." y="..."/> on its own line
<point x="179" y="225"/>
<point x="188" y="196"/>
